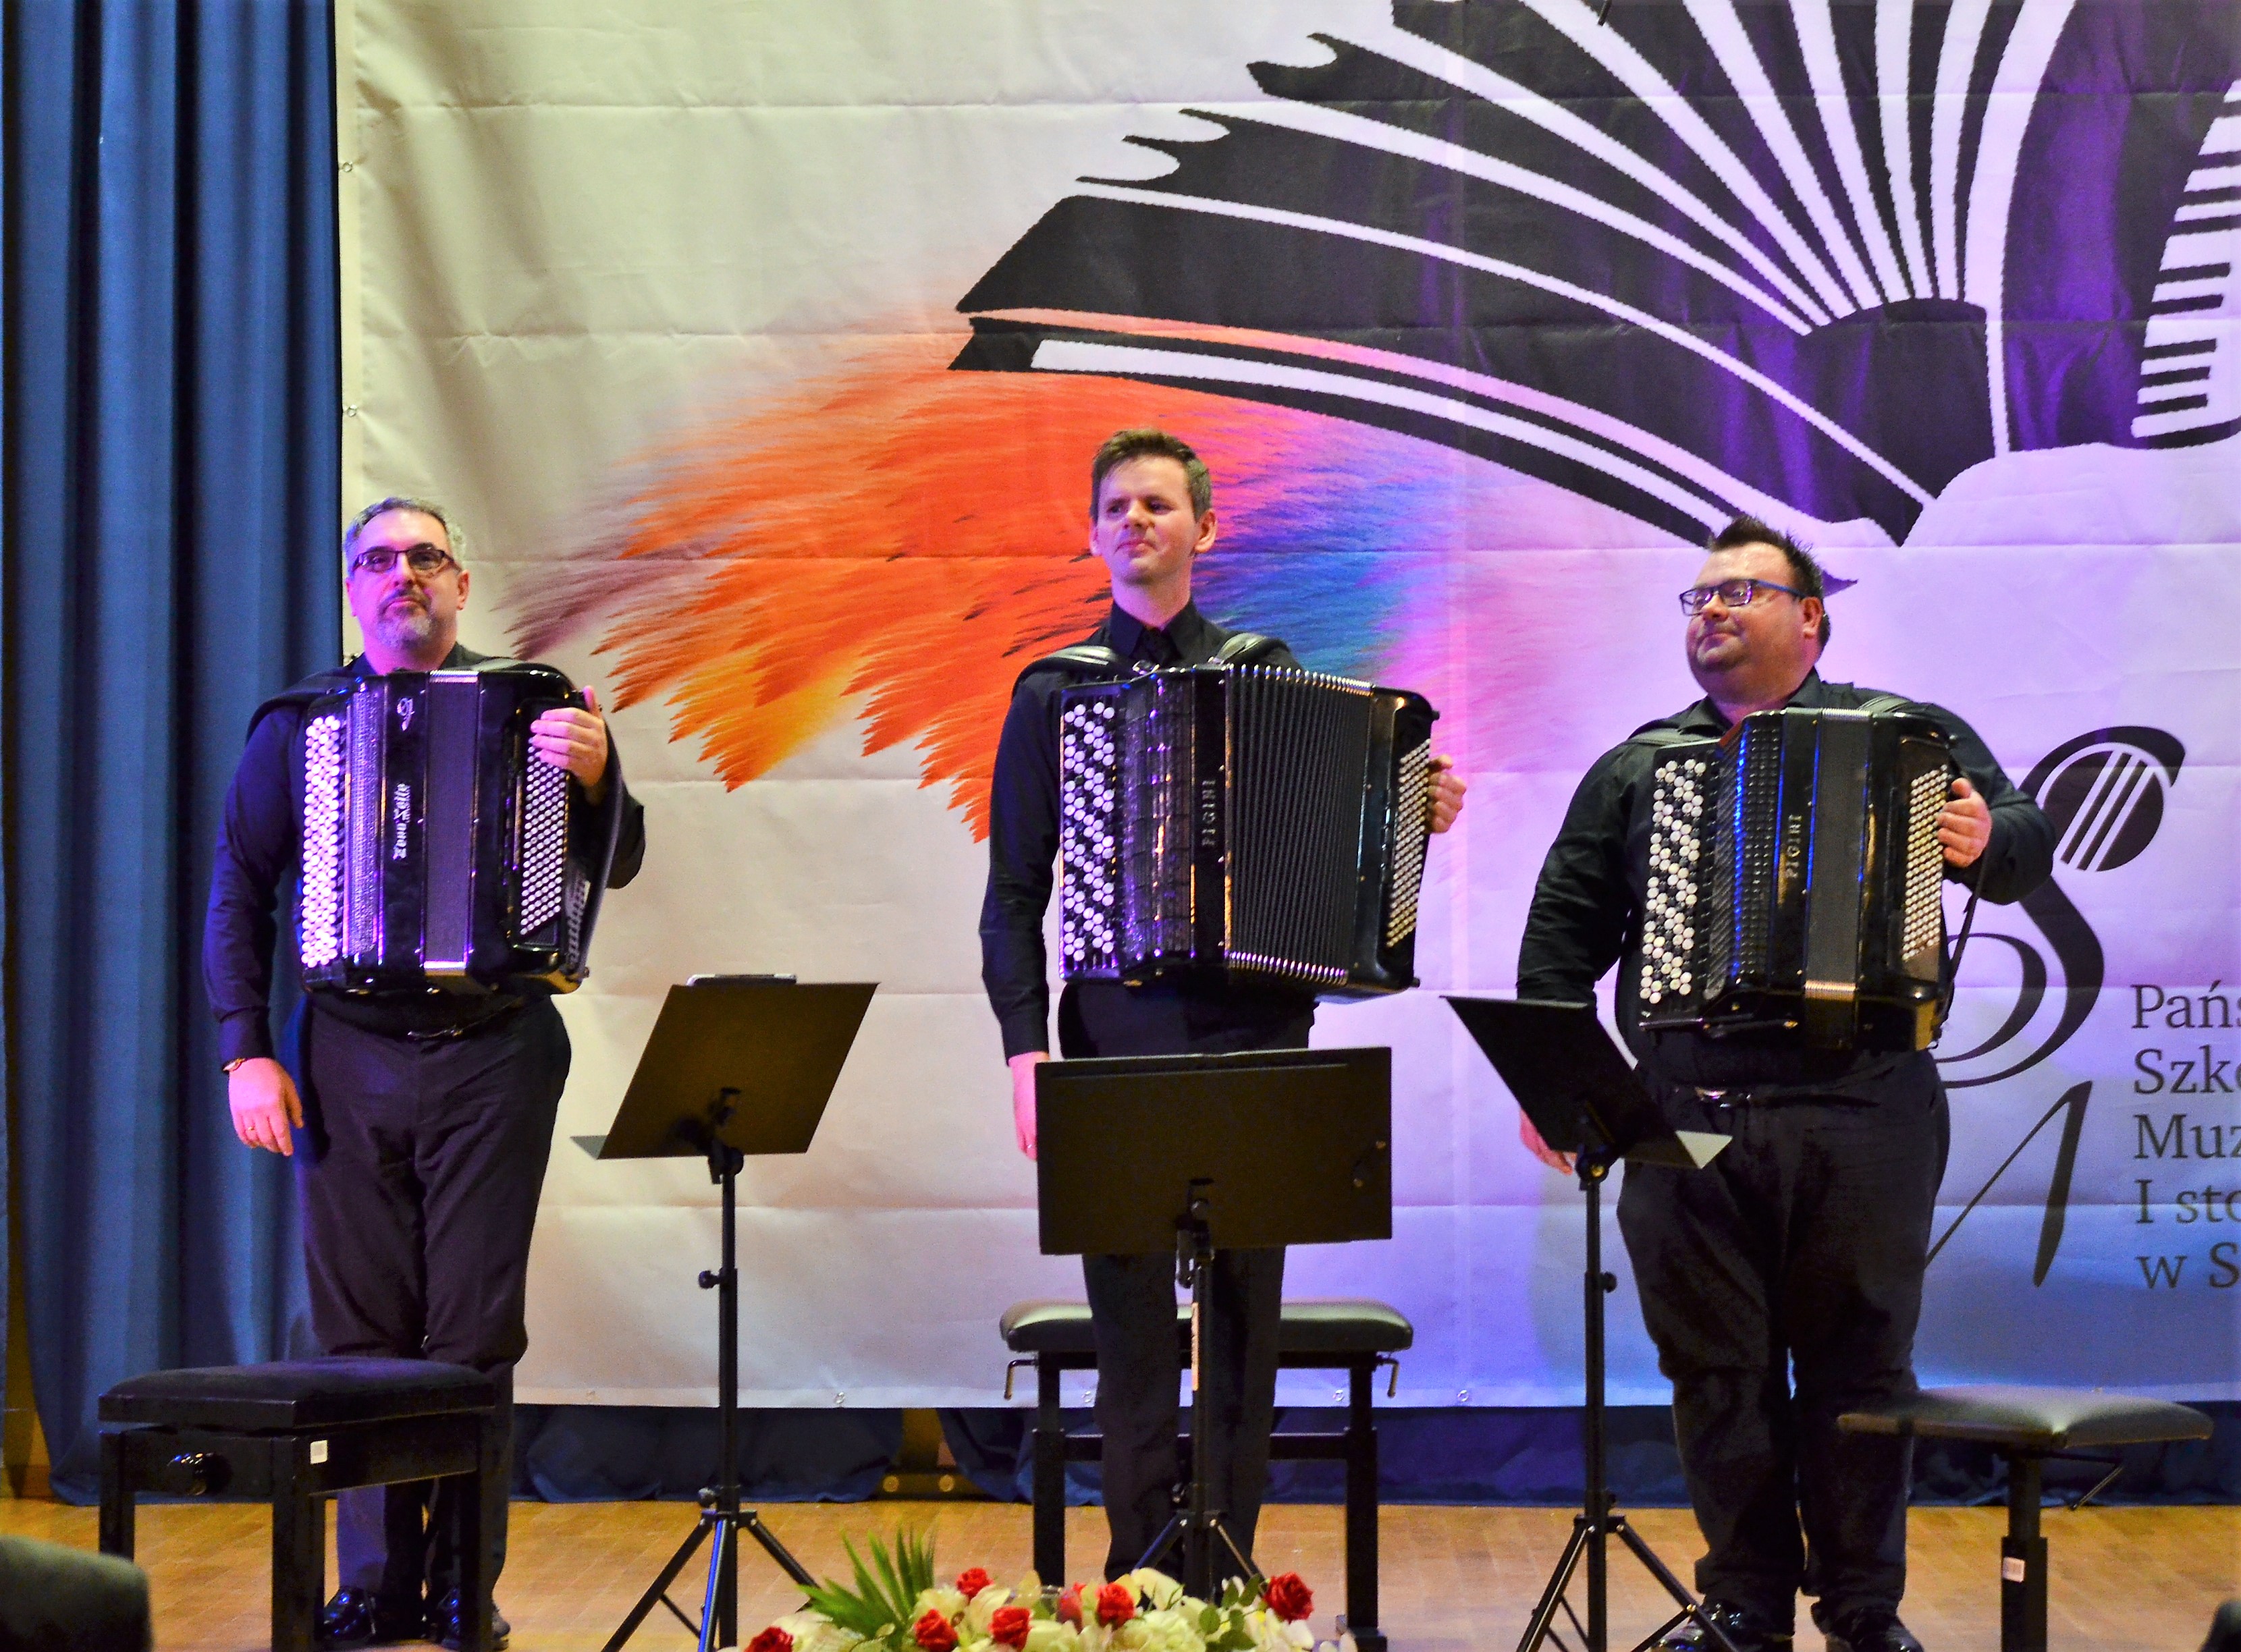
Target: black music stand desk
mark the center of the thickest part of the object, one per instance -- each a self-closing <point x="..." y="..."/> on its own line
<point x="1192" y="1154"/>
<point x="738" y="1067"/>
<point x="1585" y="1098"/>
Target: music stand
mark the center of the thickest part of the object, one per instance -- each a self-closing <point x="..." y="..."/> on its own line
<point x="1584" y="1098"/>
<point x="738" y="1065"/>
<point x="1193" y="1154"/>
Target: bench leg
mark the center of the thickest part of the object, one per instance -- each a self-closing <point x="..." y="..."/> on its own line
<point x="2023" y="1561"/>
<point x="117" y="1498"/>
<point x="470" y="1538"/>
<point x="299" y="1553"/>
<point x="1362" y="1512"/>
<point x="1049" y="1476"/>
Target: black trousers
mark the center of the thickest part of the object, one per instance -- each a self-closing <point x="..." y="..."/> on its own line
<point x="1132" y="1299"/>
<point x="419" y="1165"/>
<point x="1795" y="1257"/>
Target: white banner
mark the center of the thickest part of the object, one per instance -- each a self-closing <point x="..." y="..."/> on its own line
<point x="761" y="351"/>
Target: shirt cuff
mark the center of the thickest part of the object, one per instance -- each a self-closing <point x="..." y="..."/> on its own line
<point x="244" y="1035"/>
<point x="1025" y="1033"/>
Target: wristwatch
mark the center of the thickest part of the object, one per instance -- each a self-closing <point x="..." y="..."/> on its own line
<point x="237" y="1062"/>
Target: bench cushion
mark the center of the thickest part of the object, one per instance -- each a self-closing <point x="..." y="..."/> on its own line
<point x="2031" y="1418"/>
<point x="1341" y="1327"/>
<point x="291" y="1394"/>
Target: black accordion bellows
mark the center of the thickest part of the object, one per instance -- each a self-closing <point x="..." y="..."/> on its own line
<point x="1795" y="883"/>
<point x="437" y="850"/>
<point x="1259" y="822"/>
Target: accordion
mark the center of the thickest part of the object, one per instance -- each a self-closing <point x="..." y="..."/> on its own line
<point x="437" y="850"/>
<point x="1261" y="824"/>
<point x="1795" y="882"/>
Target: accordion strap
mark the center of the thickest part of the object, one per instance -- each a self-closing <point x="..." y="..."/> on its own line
<point x="1245" y="648"/>
<point x="1098" y="659"/>
<point x="1088" y="657"/>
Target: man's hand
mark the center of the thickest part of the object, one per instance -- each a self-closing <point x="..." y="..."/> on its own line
<point x="1540" y="1149"/>
<point x="1965" y="825"/>
<point x="1023" y="1096"/>
<point x="577" y="741"/>
<point x="265" y="1104"/>
<point x="1448" y="789"/>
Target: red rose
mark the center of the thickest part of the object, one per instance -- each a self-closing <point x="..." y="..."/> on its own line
<point x="933" y="1632"/>
<point x="1288" y="1596"/>
<point x="772" y="1639"/>
<point x="1116" y="1604"/>
<point x="1009" y="1626"/>
<point x="972" y="1583"/>
<point x="1069" y="1605"/>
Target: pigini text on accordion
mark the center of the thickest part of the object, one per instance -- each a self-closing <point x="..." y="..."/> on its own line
<point x="1796" y="890"/>
<point x="438" y="850"/>
<point x="1262" y="823"/>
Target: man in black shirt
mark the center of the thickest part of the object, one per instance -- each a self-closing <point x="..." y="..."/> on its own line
<point x="1151" y="517"/>
<point x="425" y="1119"/>
<point x="1804" y="1242"/>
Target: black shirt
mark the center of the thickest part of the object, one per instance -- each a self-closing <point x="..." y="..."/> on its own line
<point x="1585" y="908"/>
<point x="259" y="838"/>
<point x="1023" y="844"/>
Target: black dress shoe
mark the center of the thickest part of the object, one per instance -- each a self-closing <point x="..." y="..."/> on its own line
<point x="1746" y="1628"/>
<point x="354" y="1618"/>
<point x="447" y="1628"/>
<point x="1875" y="1630"/>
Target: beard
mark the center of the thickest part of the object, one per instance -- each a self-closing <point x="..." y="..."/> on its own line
<point x="404" y="627"/>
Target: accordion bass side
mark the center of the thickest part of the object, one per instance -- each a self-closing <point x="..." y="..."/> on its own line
<point x="1263" y="824"/>
<point x="437" y="850"/>
<point x="1795" y="882"/>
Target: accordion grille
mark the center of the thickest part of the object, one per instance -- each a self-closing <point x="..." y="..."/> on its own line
<point x="320" y="919"/>
<point x="544" y="842"/>
<point x="1300" y="744"/>
<point x="365" y="800"/>
<point x="1756" y="811"/>
<point x="1923" y="932"/>
<point x="1412" y="826"/>
<point x="1684" y="811"/>
<point x="1088" y="838"/>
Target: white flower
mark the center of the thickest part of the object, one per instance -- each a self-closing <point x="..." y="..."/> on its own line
<point x="815" y="1632"/>
<point x="1271" y="1633"/>
<point x="1045" y="1636"/>
<point x="1154" y="1586"/>
<point x="1172" y="1631"/>
<point x="983" y="1608"/>
<point x="941" y="1598"/>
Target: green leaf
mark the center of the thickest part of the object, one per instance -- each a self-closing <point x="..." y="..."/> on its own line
<point x="879" y="1606"/>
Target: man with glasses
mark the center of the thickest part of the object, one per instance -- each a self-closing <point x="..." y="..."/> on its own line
<point x="425" y="1119"/>
<point x="1803" y="1245"/>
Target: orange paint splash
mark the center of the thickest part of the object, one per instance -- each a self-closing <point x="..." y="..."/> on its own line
<point x="899" y="536"/>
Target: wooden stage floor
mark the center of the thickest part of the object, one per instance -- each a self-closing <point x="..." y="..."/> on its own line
<point x="2126" y="1580"/>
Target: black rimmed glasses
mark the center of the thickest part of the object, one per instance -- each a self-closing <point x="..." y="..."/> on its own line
<point x="426" y="560"/>
<point x="1734" y="594"/>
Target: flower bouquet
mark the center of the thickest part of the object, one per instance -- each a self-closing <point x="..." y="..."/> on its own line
<point x="896" y="1606"/>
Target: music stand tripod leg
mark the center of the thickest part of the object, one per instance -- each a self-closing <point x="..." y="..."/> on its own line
<point x="1199" y="1526"/>
<point x="657" y="1593"/>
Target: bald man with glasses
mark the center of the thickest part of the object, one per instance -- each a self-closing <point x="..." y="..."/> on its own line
<point x="420" y="1122"/>
<point x="1803" y="1244"/>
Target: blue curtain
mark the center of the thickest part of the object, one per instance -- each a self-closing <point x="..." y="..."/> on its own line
<point x="172" y="434"/>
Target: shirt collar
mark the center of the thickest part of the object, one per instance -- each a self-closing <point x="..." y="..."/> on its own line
<point x="1704" y="714"/>
<point x="1189" y="631"/>
<point x="461" y="656"/>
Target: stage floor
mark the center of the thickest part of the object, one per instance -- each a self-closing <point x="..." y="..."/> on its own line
<point x="2126" y="1580"/>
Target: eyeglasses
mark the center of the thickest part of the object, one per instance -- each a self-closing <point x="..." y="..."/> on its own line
<point x="426" y="561"/>
<point x="1735" y="593"/>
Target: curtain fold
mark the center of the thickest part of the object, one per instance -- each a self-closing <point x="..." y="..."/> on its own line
<point x="171" y="474"/>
